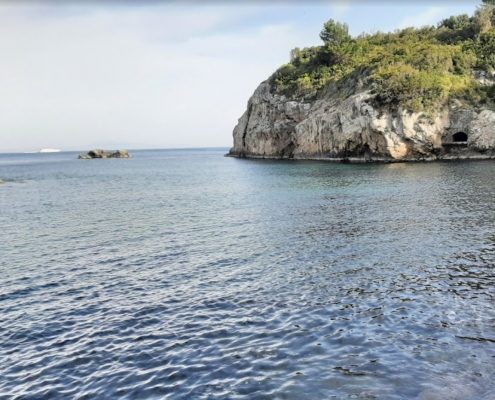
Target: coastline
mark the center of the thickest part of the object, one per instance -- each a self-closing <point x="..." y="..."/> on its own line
<point x="366" y="160"/>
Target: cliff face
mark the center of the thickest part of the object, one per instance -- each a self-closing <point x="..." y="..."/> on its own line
<point x="344" y="124"/>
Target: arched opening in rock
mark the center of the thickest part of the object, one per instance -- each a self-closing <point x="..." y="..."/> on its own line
<point x="459" y="137"/>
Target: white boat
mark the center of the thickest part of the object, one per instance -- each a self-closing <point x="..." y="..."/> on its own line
<point x="50" y="151"/>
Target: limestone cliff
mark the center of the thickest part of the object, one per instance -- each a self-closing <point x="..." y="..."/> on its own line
<point x="346" y="125"/>
<point x="413" y="94"/>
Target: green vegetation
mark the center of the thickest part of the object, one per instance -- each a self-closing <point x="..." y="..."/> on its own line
<point x="335" y="33"/>
<point x="418" y="69"/>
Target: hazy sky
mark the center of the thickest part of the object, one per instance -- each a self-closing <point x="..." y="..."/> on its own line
<point x="157" y="74"/>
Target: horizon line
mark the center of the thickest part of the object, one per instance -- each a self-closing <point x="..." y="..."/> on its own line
<point x="129" y="149"/>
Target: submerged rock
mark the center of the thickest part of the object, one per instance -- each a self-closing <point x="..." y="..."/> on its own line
<point x="349" y="126"/>
<point x="98" y="153"/>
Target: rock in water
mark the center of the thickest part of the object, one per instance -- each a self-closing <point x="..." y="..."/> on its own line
<point x="98" y="153"/>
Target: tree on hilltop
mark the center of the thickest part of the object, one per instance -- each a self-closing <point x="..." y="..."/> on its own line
<point x="335" y="33"/>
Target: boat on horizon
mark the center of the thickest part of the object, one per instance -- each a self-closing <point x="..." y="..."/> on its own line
<point x="49" y="150"/>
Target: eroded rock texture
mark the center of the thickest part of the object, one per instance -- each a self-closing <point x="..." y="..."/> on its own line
<point x="347" y="125"/>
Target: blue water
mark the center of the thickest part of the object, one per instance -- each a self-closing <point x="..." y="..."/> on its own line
<point x="188" y="275"/>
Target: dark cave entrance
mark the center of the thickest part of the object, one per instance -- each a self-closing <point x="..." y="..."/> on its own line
<point x="460" y="137"/>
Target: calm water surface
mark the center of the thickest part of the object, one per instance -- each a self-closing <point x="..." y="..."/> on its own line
<point x="188" y="275"/>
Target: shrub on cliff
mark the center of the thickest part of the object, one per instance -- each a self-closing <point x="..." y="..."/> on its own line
<point x="484" y="48"/>
<point x="456" y="29"/>
<point x="413" y="68"/>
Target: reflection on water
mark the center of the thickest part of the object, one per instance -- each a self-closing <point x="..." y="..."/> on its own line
<point x="184" y="274"/>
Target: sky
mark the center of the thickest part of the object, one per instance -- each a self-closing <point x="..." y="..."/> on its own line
<point x="156" y="74"/>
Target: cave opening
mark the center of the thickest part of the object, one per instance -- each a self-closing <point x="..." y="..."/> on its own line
<point x="459" y="137"/>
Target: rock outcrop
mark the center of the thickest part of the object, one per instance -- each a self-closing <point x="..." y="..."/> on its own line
<point x="104" y="154"/>
<point x="345" y="124"/>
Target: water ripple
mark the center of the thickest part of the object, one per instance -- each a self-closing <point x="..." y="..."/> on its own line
<point x="186" y="275"/>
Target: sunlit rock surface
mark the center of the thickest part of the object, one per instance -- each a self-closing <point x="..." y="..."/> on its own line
<point x="345" y="124"/>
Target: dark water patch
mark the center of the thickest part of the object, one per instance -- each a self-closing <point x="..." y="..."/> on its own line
<point x="477" y="339"/>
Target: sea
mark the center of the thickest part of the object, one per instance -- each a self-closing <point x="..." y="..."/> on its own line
<point x="184" y="274"/>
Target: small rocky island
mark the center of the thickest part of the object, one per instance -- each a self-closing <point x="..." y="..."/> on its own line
<point x="98" y="153"/>
<point x="415" y="94"/>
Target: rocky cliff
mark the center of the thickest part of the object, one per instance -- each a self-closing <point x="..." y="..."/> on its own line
<point x="339" y="125"/>
<point x="415" y="94"/>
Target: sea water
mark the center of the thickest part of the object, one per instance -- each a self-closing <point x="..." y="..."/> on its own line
<point x="187" y="275"/>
